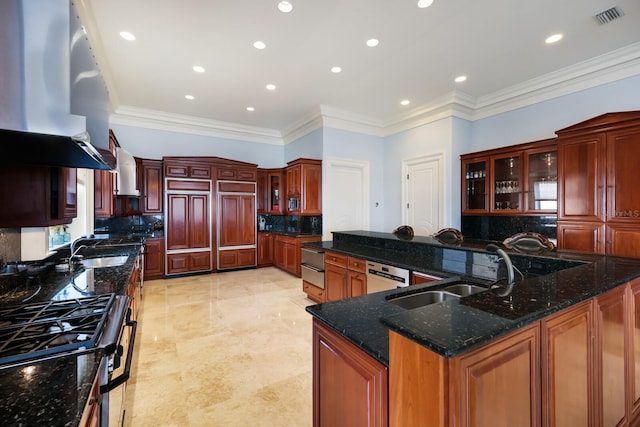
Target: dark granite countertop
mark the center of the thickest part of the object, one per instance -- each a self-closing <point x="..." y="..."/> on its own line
<point x="452" y="327"/>
<point x="54" y="392"/>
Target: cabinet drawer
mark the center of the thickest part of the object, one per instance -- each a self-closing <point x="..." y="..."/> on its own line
<point x="335" y="259"/>
<point x="174" y="184"/>
<point x="357" y="264"/>
<point x="315" y="294"/>
<point x="236" y="187"/>
<point x="178" y="171"/>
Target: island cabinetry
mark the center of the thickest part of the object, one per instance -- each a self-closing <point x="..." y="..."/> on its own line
<point x="418" y="278"/>
<point x="598" y="185"/>
<point x="154" y="258"/>
<point x="150" y="180"/>
<point x="265" y="249"/>
<point x="345" y="276"/>
<point x="349" y="386"/>
<point x="304" y="187"/>
<point x="91" y="413"/>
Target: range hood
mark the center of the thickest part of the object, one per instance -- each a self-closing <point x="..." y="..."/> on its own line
<point x="126" y="176"/>
<point x="36" y="126"/>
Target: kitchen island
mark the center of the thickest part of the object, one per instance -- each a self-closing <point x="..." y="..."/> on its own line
<point x="58" y="390"/>
<point x="442" y="335"/>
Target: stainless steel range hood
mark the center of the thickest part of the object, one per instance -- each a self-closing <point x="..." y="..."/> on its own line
<point x="36" y="126"/>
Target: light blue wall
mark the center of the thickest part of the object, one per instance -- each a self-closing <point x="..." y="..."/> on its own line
<point x="540" y="121"/>
<point x="346" y="145"/>
<point x="308" y="147"/>
<point x="429" y="139"/>
<point x="154" y="144"/>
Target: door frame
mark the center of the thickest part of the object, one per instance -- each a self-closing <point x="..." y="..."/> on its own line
<point x="439" y="157"/>
<point x="365" y="168"/>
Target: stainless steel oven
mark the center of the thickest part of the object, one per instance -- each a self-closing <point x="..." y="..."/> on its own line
<point x="312" y="266"/>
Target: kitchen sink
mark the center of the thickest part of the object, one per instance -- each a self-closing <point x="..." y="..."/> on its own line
<point x="464" y="289"/>
<point x="423" y="298"/>
<point x="107" y="261"/>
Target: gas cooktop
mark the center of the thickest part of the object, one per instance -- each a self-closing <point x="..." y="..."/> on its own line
<point x="33" y="330"/>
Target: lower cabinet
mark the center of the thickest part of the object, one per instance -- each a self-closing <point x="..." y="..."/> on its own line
<point x="580" y="366"/>
<point x="349" y="386"/>
<point x="186" y="262"/>
<point x="154" y="258"/>
<point x="91" y="413"/>
<point x="345" y="276"/>
<point x="265" y="249"/>
<point x="286" y="251"/>
<point x="236" y="258"/>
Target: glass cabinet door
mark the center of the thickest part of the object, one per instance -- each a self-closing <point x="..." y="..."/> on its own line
<point x="542" y="181"/>
<point x="475" y="185"/>
<point x="506" y="184"/>
<point x="274" y="196"/>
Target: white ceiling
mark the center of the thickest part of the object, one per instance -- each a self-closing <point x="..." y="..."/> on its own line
<point x="498" y="44"/>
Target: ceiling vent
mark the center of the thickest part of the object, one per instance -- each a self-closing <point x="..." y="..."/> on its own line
<point x="609" y="15"/>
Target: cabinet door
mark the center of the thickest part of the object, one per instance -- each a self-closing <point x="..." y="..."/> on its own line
<point x="483" y="395"/>
<point x="278" y="253"/>
<point x="237" y="216"/>
<point x="623" y="197"/>
<point x="152" y="187"/>
<point x="475" y="183"/>
<point x="581" y="236"/>
<point x="622" y="240"/>
<point x="154" y="259"/>
<point x="335" y="279"/>
<point x="265" y="249"/>
<point x="294" y="177"/>
<point x="610" y="313"/>
<point x="262" y="191"/>
<point x="291" y="259"/>
<point x="506" y="183"/>
<point x="581" y="178"/>
<point x="350" y="388"/>
<point x="541" y="180"/>
<point x="311" y="189"/>
<point x="103" y="194"/>
<point x="177" y="263"/>
<point x="274" y="198"/>
<point x="356" y="283"/>
<point x="567" y="364"/>
<point x="177" y="221"/>
<point x="69" y="196"/>
<point x="199" y="230"/>
<point x="634" y="349"/>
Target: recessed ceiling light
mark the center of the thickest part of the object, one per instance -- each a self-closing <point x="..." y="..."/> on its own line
<point x="251" y="109"/>
<point x="336" y="70"/>
<point x="271" y="87"/>
<point x="424" y="3"/>
<point x="190" y="97"/>
<point x="405" y="102"/>
<point x="259" y="45"/>
<point x="285" y="6"/>
<point x="460" y="79"/>
<point x="373" y="42"/>
<point x="198" y="69"/>
<point x="127" y="35"/>
<point x="553" y="38"/>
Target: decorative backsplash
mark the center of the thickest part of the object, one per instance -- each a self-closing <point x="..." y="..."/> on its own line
<point x="500" y="227"/>
<point x="291" y="223"/>
<point x="126" y="225"/>
<point x="9" y="245"/>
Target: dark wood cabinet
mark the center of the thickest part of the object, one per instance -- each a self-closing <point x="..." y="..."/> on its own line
<point x="350" y="388"/>
<point x="37" y="196"/>
<point x="154" y="258"/>
<point x="596" y="169"/>
<point x="270" y="187"/>
<point x="286" y="250"/>
<point x="265" y="249"/>
<point x="182" y="169"/>
<point x="345" y="276"/>
<point x="304" y="187"/>
<point x="151" y="184"/>
<point x="103" y="195"/>
<point x="236" y="225"/>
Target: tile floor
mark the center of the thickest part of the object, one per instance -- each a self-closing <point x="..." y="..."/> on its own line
<point x="225" y="349"/>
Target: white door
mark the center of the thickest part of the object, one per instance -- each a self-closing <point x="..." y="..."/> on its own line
<point x="346" y="196"/>
<point x="423" y="194"/>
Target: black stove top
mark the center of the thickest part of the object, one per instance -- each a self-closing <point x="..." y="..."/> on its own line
<point x="33" y="330"/>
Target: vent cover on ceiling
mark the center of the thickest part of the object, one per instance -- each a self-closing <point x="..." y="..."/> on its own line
<point x="609" y="15"/>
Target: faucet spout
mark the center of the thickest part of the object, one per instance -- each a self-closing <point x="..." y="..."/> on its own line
<point x="507" y="261"/>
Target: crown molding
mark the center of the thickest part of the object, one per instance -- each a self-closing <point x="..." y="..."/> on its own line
<point x="133" y="116"/>
<point x="303" y="126"/>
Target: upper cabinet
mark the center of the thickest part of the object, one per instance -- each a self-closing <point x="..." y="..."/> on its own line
<point x="516" y="180"/>
<point x="599" y="204"/>
<point x="304" y="187"/>
<point x="270" y="185"/>
<point x="150" y="181"/>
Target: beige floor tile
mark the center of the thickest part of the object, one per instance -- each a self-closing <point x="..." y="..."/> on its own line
<point x="225" y="349"/>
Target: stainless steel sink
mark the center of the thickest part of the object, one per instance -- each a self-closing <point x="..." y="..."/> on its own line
<point x="464" y="289"/>
<point x="423" y="298"/>
<point x="107" y="261"/>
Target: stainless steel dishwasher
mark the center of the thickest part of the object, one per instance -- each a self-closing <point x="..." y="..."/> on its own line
<point x="312" y="266"/>
<point x="381" y="277"/>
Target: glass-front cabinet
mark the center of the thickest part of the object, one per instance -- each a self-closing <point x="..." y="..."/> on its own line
<point x="541" y="167"/>
<point x="506" y="183"/>
<point x="475" y="176"/>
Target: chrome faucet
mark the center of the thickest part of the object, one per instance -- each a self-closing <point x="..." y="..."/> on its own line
<point x="510" y="269"/>
<point x="72" y="247"/>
